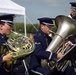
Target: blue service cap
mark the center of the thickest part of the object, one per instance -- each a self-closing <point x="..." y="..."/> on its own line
<point x="46" y="21"/>
<point x="73" y="4"/>
<point x="7" y="19"/>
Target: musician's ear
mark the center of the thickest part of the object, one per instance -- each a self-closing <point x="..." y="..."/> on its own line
<point x="1" y="27"/>
<point x="41" y="26"/>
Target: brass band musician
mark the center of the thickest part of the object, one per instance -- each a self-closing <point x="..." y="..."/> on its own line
<point x="6" y="25"/>
<point x="42" y="41"/>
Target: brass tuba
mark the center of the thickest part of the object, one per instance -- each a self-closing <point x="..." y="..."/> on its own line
<point x="66" y="27"/>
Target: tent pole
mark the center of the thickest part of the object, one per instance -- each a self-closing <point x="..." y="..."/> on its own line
<point x="25" y="24"/>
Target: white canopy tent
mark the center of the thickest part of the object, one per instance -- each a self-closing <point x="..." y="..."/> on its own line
<point x="10" y="7"/>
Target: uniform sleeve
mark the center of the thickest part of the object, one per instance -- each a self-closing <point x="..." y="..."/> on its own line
<point x="2" y="40"/>
<point x="0" y="61"/>
<point x="72" y="39"/>
<point x="41" y="53"/>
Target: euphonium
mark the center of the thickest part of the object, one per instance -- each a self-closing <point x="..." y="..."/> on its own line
<point x="19" y="45"/>
<point x="66" y="27"/>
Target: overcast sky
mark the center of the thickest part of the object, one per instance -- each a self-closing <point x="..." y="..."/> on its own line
<point x="44" y="8"/>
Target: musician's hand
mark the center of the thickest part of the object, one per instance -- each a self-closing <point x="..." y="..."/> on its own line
<point x="31" y="37"/>
<point x="59" y="55"/>
<point x="69" y="43"/>
<point x="7" y="57"/>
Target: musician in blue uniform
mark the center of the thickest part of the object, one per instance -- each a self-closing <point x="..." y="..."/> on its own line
<point x="6" y="25"/>
<point x="71" y="40"/>
<point x="42" y="40"/>
<point x="73" y="16"/>
<point x="73" y="10"/>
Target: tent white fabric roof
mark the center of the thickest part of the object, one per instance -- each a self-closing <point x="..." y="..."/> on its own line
<point x="10" y="7"/>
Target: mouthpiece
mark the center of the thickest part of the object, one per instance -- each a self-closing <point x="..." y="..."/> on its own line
<point x="52" y="32"/>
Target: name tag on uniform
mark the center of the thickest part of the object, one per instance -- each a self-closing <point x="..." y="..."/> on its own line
<point x="37" y="43"/>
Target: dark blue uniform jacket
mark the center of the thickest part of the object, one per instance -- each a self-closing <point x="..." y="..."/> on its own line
<point x="3" y="71"/>
<point x="3" y="39"/>
<point x="72" y="39"/>
<point x="41" y="43"/>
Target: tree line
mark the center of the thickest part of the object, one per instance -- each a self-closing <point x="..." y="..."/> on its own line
<point x="19" y="27"/>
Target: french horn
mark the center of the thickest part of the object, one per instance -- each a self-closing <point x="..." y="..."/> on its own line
<point x="19" y="45"/>
<point x="65" y="27"/>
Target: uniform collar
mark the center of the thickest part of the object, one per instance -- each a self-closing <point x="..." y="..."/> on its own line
<point x="43" y="33"/>
<point x="73" y="17"/>
<point x="2" y="36"/>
